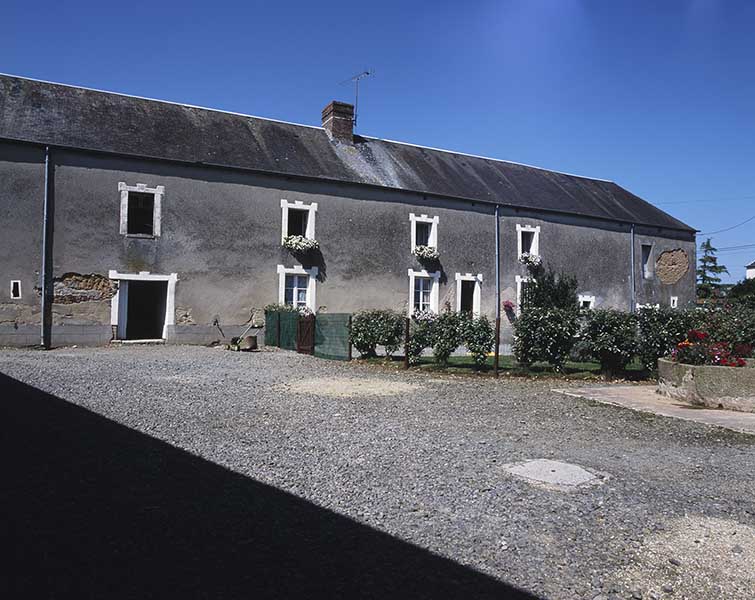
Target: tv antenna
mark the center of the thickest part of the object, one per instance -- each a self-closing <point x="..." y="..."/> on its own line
<point x="356" y="79"/>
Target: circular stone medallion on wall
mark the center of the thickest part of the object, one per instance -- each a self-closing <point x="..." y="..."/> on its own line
<point x="671" y="266"/>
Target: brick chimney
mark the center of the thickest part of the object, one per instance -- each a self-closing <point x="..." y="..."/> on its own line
<point x="338" y="121"/>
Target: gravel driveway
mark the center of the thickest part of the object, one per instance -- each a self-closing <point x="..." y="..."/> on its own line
<point x="278" y="475"/>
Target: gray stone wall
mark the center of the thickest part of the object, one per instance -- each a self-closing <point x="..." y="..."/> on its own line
<point x="221" y="234"/>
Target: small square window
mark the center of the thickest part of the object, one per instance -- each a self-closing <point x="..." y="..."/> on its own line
<point x="141" y="213"/>
<point x="528" y="239"/>
<point x="424" y="230"/>
<point x="15" y="289"/>
<point x="297" y="222"/>
<point x="586" y="301"/>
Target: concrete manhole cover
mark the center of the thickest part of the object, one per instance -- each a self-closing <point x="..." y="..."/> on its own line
<point x="554" y="473"/>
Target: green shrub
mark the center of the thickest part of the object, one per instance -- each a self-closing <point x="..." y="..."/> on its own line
<point x="610" y="337"/>
<point x="447" y="335"/>
<point x="421" y="334"/>
<point x="549" y="290"/>
<point x="372" y="328"/>
<point x="660" y="329"/>
<point x="545" y="334"/>
<point x="479" y="338"/>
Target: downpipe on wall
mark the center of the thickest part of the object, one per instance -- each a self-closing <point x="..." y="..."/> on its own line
<point x="48" y="220"/>
<point x="497" y="291"/>
<point x="632" y="291"/>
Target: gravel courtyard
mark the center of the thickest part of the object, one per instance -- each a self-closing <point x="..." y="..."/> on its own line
<point x="279" y="475"/>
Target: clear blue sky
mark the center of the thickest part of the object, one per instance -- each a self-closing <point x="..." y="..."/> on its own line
<point x="657" y="96"/>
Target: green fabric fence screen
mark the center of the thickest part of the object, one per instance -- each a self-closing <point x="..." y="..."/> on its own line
<point x="332" y="336"/>
<point x="288" y="322"/>
<point x="271" y="328"/>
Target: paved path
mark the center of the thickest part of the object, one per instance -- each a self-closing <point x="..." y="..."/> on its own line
<point x="644" y="399"/>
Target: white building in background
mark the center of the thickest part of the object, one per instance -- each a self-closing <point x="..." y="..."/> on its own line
<point x="750" y="273"/>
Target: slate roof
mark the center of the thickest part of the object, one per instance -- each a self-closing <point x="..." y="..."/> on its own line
<point x="751" y="265"/>
<point x="62" y="115"/>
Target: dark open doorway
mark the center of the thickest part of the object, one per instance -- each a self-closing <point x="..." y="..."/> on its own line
<point x="146" y="310"/>
<point x="467" y="296"/>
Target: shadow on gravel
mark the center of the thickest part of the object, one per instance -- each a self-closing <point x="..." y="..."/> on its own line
<point x="93" y="509"/>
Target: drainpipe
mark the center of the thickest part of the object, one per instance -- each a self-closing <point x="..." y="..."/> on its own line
<point x="497" y="290"/>
<point x="47" y="234"/>
<point x="632" y="291"/>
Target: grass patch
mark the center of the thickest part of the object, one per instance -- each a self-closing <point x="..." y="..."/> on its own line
<point x="509" y="366"/>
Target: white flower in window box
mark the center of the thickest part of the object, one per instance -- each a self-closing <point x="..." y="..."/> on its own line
<point x="530" y="260"/>
<point x="300" y="244"/>
<point x="426" y="253"/>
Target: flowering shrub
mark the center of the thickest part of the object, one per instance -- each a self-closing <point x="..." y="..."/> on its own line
<point x="531" y="261"/>
<point x="300" y="244"/>
<point x="372" y="328"/>
<point x="447" y="335"/>
<point x="699" y="349"/>
<point x="660" y="330"/>
<point x="610" y="337"/>
<point x="479" y="338"/>
<point x="421" y="334"/>
<point x="426" y="253"/>
<point x="733" y="323"/>
<point x="545" y="334"/>
<point x="276" y="308"/>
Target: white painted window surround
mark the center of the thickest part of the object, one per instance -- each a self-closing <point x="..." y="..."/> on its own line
<point x="158" y="192"/>
<point x="586" y="301"/>
<point x="119" y="302"/>
<point x="15" y="289"/>
<point x="298" y="205"/>
<point x="432" y="221"/>
<point x="477" y="294"/>
<point x="311" y="283"/>
<point x="519" y="281"/>
<point x="674" y="301"/>
<point x="535" y="230"/>
<point x="434" y="278"/>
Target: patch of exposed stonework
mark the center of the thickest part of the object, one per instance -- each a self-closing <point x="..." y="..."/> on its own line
<point x="671" y="266"/>
<point x="73" y="288"/>
<point x="183" y="316"/>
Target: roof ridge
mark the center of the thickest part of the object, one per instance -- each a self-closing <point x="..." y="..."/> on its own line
<point x="123" y="94"/>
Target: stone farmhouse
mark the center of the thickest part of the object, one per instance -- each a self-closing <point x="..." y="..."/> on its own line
<point x="129" y="218"/>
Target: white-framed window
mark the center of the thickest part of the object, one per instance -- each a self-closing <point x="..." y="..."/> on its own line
<point x="141" y="209"/>
<point x="521" y="291"/>
<point x="527" y="239"/>
<point x="297" y="286"/>
<point x="586" y="301"/>
<point x="674" y="301"/>
<point x="423" y="290"/>
<point x="15" y="289"/>
<point x="424" y="230"/>
<point x="468" y="293"/>
<point x="298" y="218"/>
<point x="647" y="263"/>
